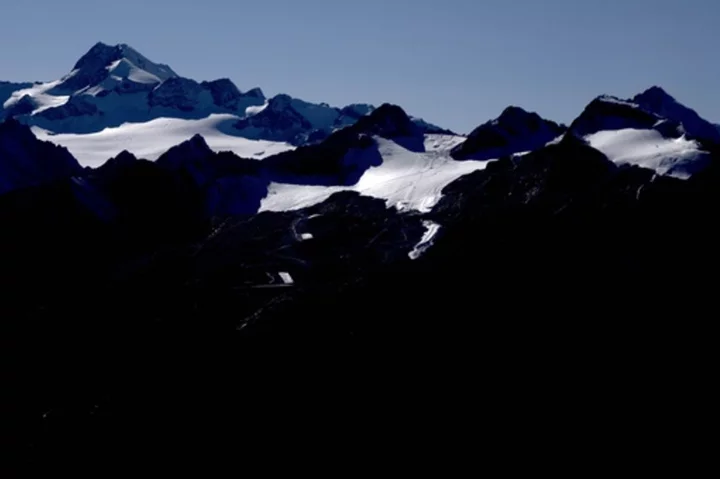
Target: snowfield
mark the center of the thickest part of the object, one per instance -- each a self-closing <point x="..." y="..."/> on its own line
<point x="648" y="148"/>
<point x="39" y="95"/>
<point x="405" y="179"/>
<point x="151" y="139"/>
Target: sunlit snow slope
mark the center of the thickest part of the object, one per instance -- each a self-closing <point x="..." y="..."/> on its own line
<point x="39" y="96"/>
<point x="405" y="179"/>
<point x="151" y="139"/>
<point x="649" y="149"/>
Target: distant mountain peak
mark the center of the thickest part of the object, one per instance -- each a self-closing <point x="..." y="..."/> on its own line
<point x="655" y="92"/>
<point x="191" y="156"/>
<point x="193" y="148"/>
<point x="121" y="161"/>
<point x="280" y="102"/>
<point x="111" y="85"/>
<point x="389" y="108"/>
<point x="226" y="94"/>
<point x="122" y="63"/>
<point x="607" y="112"/>
<point x="517" y="115"/>
<point x="101" y="55"/>
<point x="654" y="108"/>
<point x="514" y="111"/>
<point x="388" y="121"/>
<point x="256" y="93"/>
<point x="125" y="157"/>
<point x="516" y="130"/>
<point x="661" y="103"/>
<point x="358" y="108"/>
<point x="197" y="143"/>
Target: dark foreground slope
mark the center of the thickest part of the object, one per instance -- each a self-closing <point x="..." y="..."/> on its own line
<point x="559" y="282"/>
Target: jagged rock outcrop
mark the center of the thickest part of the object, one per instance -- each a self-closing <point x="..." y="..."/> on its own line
<point x="26" y="161"/>
<point x="658" y="101"/>
<point x="230" y="185"/>
<point x="180" y="93"/>
<point x="226" y="95"/>
<point x="610" y="113"/>
<point x="514" y="131"/>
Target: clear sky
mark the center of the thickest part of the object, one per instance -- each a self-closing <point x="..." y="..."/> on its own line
<point x="456" y="63"/>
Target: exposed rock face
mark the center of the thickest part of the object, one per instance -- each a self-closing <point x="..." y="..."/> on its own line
<point x="514" y="131"/>
<point x="24" y="106"/>
<point x="75" y="107"/>
<point x="279" y="121"/>
<point x="300" y="123"/>
<point x="179" y="93"/>
<point x="610" y="113"/>
<point x="6" y="91"/>
<point x="26" y="161"/>
<point x="388" y="121"/>
<point x="346" y="154"/>
<point x="226" y="95"/>
<point x="658" y="101"/>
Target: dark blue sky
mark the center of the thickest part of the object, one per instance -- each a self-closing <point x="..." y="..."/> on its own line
<point x="456" y="63"/>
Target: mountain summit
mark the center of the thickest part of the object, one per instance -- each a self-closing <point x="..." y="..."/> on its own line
<point x="119" y="64"/>
<point x="514" y="131"/>
<point x="661" y="103"/>
<point x="112" y="85"/>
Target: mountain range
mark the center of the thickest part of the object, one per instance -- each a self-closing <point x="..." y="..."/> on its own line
<point x="179" y="255"/>
<point x="115" y="99"/>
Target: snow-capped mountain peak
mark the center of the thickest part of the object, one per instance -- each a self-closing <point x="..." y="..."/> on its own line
<point x="111" y="85"/>
<point x="118" y="63"/>
<point x="102" y="55"/>
<point x="661" y="103"/>
<point x="115" y="85"/>
<point x="654" y="108"/>
<point x="652" y="130"/>
<point x="610" y="113"/>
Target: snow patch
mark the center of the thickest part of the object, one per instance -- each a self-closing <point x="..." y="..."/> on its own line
<point x="617" y="101"/>
<point x="254" y="110"/>
<point x="431" y="230"/>
<point x="125" y="69"/>
<point x="286" y="278"/>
